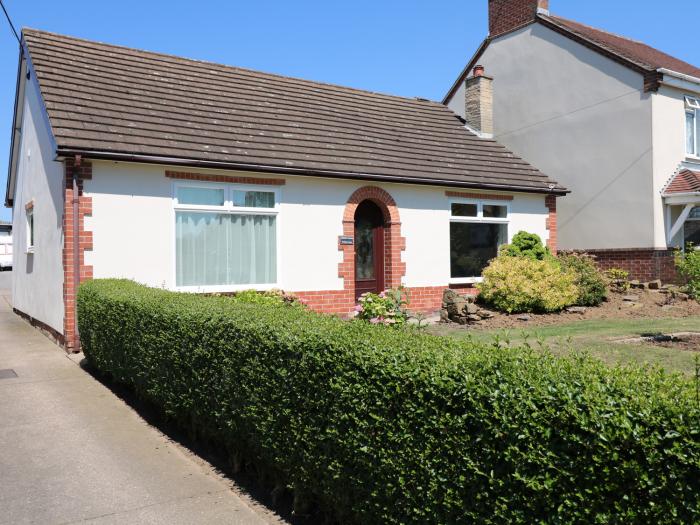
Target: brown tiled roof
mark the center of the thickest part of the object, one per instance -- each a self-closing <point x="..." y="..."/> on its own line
<point x="632" y="53"/>
<point x="632" y="50"/>
<point x="104" y="100"/>
<point x="685" y="181"/>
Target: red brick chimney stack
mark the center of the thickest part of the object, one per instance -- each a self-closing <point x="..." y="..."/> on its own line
<point x="507" y="15"/>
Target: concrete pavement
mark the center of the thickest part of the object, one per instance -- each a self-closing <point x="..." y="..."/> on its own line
<point x="71" y="451"/>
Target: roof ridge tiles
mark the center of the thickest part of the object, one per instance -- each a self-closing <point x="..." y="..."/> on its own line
<point x="178" y="58"/>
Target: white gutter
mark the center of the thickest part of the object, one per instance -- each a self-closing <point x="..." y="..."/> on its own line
<point x="680" y="76"/>
<point x="680" y="81"/>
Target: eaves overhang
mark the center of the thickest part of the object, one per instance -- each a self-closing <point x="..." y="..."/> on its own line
<point x="64" y="152"/>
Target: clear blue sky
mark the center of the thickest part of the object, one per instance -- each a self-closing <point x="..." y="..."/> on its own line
<point x="403" y="47"/>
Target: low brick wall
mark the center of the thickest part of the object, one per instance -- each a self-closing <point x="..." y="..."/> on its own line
<point x="642" y="264"/>
<point x="342" y="302"/>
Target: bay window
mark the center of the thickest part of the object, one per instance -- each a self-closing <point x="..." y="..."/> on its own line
<point x="691" y="228"/>
<point x="225" y="236"/>
<point x="692" y="126"/>
<point x="477" y="230"/>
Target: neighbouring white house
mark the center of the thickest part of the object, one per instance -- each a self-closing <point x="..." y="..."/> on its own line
<point x="200" y="177"/>
<point x="614" y="120"/>
<point x="5" y="245"/>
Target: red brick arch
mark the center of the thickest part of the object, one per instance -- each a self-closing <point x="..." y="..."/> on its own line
<point x="394" y="244"/>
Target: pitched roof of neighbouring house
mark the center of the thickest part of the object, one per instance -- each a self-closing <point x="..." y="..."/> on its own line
<point x="684" y="181"/>
<point x="632" y="53"/>
<point x="626" y="48"/>
<point x="107" y="101"/>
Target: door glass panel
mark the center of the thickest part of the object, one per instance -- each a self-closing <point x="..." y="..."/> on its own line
<point x="364" y="249"/>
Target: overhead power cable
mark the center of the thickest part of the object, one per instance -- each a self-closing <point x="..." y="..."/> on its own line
<point x="9" y="21"/>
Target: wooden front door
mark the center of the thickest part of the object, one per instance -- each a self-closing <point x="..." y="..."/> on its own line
<point x="369" y="249"/>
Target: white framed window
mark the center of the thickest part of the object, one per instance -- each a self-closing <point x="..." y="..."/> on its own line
<point x="225" y="236"/>
<point x="477" y="230"/>
<point x="692" y="127"/>
<point x="30" y="230"/>
<point x="691" y="228"/>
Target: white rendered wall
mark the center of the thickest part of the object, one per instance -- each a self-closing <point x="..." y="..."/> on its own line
<point x="669" y="153"/>
<point x="133" y="227"/>
<point x="583" y="120"/>
<point x="37" y="285"/>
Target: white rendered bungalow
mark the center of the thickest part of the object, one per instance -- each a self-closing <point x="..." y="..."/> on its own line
<point x="199" y="177"/>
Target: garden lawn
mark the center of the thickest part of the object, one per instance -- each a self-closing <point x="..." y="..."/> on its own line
<point x="600" y="338"/>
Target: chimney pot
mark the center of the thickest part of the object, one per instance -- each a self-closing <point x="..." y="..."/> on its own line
<point x="479" y="71"/>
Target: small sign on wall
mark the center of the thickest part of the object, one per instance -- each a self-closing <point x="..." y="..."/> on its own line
<point x="347" y="240"/>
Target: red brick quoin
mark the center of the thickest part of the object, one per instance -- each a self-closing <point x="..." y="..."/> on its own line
<point x="551" y="203"/>
<point x="70" y="279"/>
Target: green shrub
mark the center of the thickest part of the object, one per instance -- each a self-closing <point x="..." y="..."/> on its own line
<point x="618" y="279"/>
<point x="526" y="245"/>
<point x="388" y="307"/>
<point x="270" y="298"/>
<point x="688" y="265"/>
<point x="592" y="288"/>
<point x="522" y="284"/>
<point x="390" y="426"/>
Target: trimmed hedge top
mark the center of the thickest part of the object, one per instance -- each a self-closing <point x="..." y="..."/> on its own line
<point x="395" y="426"/>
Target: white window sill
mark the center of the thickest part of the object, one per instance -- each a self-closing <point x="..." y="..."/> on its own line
<point x="692" y="158"/>
<point x="226" y="288"/>
<point x="467" y="280"/>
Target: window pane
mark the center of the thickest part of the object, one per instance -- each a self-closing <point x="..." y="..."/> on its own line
<point x="473" y="245"/>
<point x="201" y="196"/>
<point x="494" y="211"/>
<point x="691" y="230"/>
<point x="30" y="221"/>
<point x="219" y="249"/>
<point x="690" y="133"/>
<point x="464" y="210"/>
<point x="254" y="199"/>
<point x="695" y="213"/>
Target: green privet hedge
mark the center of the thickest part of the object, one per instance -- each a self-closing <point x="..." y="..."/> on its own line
<point x="392" y="426"/>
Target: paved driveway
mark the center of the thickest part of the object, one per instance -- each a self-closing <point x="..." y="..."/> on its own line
<point x="5" y="284"/>
<point x="71" y="451"/>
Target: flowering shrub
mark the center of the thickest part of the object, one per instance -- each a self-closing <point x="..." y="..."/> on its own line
<point x="522" y="284"/>
<point x="388" y="307"/>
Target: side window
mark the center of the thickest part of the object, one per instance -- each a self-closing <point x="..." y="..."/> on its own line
<point x="30" y="229"/>
<point x="692" y="126"/>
